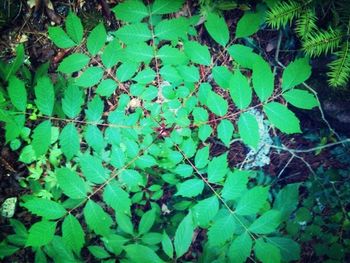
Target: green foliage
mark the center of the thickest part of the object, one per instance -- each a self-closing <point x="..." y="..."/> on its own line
<point x="331" y="37"/>
<point x="121" y="152"/>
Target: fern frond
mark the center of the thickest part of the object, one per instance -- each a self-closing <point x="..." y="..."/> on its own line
<point x="284" y="12"/>
<point x="306" y="23"/>
<point x="339" y="69"/>
<point x="322" y="41"/>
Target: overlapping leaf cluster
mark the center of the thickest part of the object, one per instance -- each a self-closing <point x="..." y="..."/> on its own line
<point x="126" y="143"/>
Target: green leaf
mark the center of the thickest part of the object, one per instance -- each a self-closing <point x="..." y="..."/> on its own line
<point x="16" y="64"/>
<point x="296" y="73"/>
<point x="139" y="52"/>
<point x="131" y="178"/>
<point x="111" y="54"/>
<point x="170" y="74"/>
<point x="240" y="91"/>
<point x="250" y="22"/>
<point x="248" y="129"/>
<point x="252" y="201"/>
<point x="71" y="183"/>
<point x="198" y="53"/>
<point x="93" y="169"/>
<point x="266" y="252"/>
<point x="126" y="70"/>
<point x="290" y="250"/>
<point x="45" y="208"/>
<point x="171" y="56"/>
<point x="216" y="104"/>
<point x="17" y="93"/>
<point x="98" y="252"/>
<point x="147" y="221"/>
<point x="7" y="250"/>
<point x="217" y="168"/>
<point x="74" y="27"/>
<point x="222" y="76"/>
<point x="95" y="109"/>
<point x="90" y="77"/>
<point x="94" y="138"/>
<point x="59" y="251"/>
<point x="97" y="219"/>
<point x="183" y="235"/>
<point x="240" y="248"/>
<point x="96" y="39"/>
<point x="139" y="253"/>
<point x="106" y="87"/>
<point x="45" y="95"/>
<point x="263" y="79"/>
<point x="138" y="32"/>
<point x="41" y="233"/>
<point x="72" y="101"/>
<point x="204" y="132"/>
<point x="124" y="222"/>
<point x="73" y="63"/>
<point x="167" y="245"/>
<point x="69" y="141"/>
<point x="222" y="229"/>
<point x="117" y="157"/>
<point x="301" y="99"/>
<point x="287" y="200"/>
<point x="202" y="157"/>
<point x="73" y="234"/>
<point x="281" y="117"/>
<point x="205" y="210"/>
<point x="225" y="131"/>
<point x="41" y="138"/>
<point x="243" y="55"/>
<point x="217" y="28"/>
<point x="151" y="238"/>
<point x="189" y="73"/>
<point x="60" y="38"/>
<point x="235" y="185"/>
<point x="130" y="11"/>
<point x="145" y="76"/>
<point x="162" y="7"/>
<point x="171" y="29"/>
<point x="267" y="223"/>
<point x="117" y="198"/>
<point x="190" y="188"/>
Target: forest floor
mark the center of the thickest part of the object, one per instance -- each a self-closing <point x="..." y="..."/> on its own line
<point x="28" y="23"/>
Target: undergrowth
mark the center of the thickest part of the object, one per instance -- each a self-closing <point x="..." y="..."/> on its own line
<point x="119" y="144"/>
